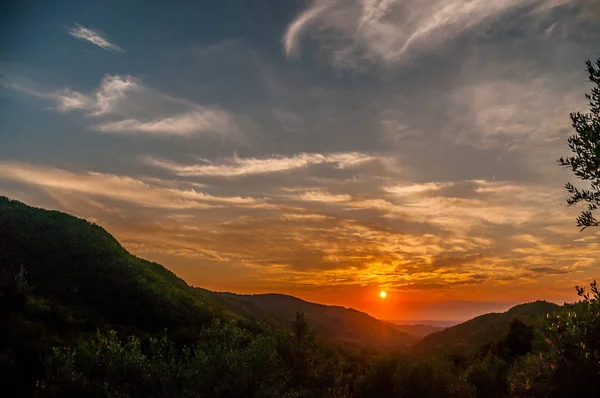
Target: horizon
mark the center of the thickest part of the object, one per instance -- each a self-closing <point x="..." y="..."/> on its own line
<point x="321" y="149"/>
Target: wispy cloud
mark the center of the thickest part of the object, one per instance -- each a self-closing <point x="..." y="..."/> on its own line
<point x="127" y="189"/>
<point x="199" y="121"/>
<point x="140" y="109"/>
<point x="323" y="197"/>
<point x="295" y="29"/>
<point x="237" y="166"/>
<point x="94" y="37"/>
<point x="105" y="100"/>
<point x="389" y="30"/>
<point x="314" y="237"/>
<point x="510" y="111"/>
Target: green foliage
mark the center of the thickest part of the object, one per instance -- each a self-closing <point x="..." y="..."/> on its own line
<point x="228" y="362"/>
<point x="487" y="377"/>
<point x="570" y="365"/>
<point x="518" y="341"/>
<point x="78" y="264"/>
<point x="585" y="145"/>
<point x="404" y="376"/>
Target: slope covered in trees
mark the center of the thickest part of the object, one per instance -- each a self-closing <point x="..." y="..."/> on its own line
<point x="72" y="262"/>
<point x="333" y="323"/>
<point x="470" y="336"/>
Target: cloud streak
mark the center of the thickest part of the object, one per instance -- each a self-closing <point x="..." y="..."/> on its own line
<point x="238" y="167"/>
<point x="295" y="29"/>
<point x="117" y="187"/>
<point x="93" y="36"/>
<point x="200" y="121"/>
<point x="140" y="109"/>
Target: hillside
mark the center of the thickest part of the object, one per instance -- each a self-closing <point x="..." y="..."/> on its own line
<point x="470" y="336"/>
<point x="333" y="323"/>
<point x="75" y="263"/>
<point x="72" y="262"/>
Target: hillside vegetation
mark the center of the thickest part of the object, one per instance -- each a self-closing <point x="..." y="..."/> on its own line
<point x="73" y="262"/>
<point x="333" y="323"/>
<point x="470" y="336"/>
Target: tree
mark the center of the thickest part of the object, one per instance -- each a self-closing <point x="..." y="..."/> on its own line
<point x="518" y="341"/>
<point x="585" y="145"/>
<point x="570" y="364"/>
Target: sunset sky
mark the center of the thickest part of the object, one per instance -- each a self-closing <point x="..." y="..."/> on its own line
<point x="325" y="149"/>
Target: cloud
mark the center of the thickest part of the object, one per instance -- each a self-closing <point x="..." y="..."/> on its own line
<point x="323" y="197"/>
<point x="237" y="167"/>
<point x="300" y="23"/>
<point x="199" y="121"/>
<point x="390" y="30"/>
<point x="140" y="109"/>
<point x="549" y="271"/>
<point x="410" y="189"/>
<point x="94" y="37"/>
<point x="117" y="187"/>
<point x="508" y="112"/>
<point x="113" y="90"/>
<point x="314" y="236"/>
<point x="462" y="206"/>
<point x="69" y="100"/>
<point x="110" y="97"/>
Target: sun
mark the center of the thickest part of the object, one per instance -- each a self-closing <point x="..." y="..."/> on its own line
<point x="382" y="294"/>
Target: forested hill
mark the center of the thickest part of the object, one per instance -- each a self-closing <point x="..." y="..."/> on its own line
<point x="75" y="263"/>
<point x="470" y="336"/>
<point x="72" y="262"/>
<point x="334" y="323"/>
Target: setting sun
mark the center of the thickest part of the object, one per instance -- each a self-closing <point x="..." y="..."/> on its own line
<point x="382" y="294"/>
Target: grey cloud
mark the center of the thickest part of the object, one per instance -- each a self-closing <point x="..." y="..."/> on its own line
<point x="455" y="262"/>
<point x="548" y="271"/>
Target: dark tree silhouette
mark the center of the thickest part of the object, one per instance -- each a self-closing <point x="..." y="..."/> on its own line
<point x="585" y="145"/>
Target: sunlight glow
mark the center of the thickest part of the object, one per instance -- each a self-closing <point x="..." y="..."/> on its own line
<point x="382" y="294"/>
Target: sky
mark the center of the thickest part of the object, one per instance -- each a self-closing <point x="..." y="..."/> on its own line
<point x="326" y="149"/>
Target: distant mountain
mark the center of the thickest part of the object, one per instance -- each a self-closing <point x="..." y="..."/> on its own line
<point x="442" y="324"/>
<point x="419" y="330"/>
<point x="78" y="265"/>
<point x="468" y="337"/>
